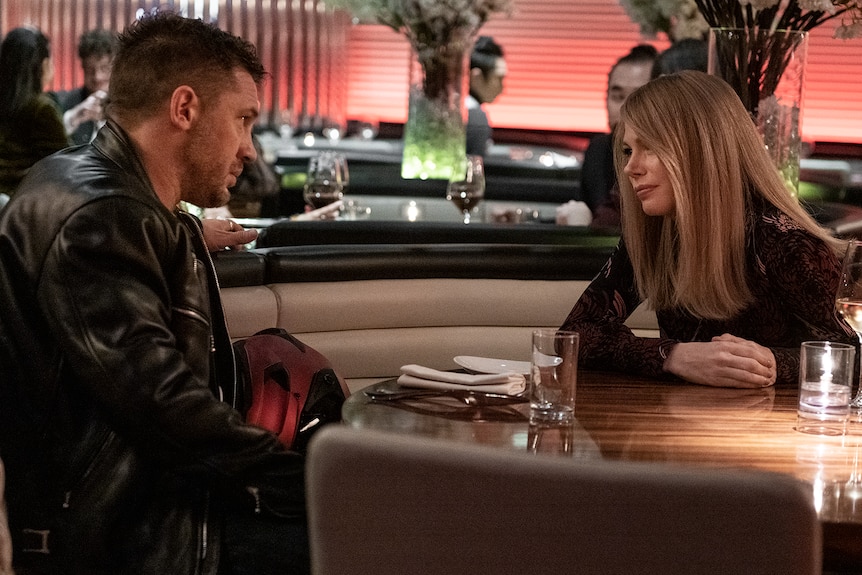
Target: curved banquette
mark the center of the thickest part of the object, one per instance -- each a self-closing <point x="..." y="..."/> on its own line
<point x="374" y="295"/>
<point x="371" y="308"/>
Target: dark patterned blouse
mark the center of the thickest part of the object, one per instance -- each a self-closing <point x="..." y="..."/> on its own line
<point x="793" y="277"/>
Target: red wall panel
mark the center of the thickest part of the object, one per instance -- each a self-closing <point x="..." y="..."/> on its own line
<point x="559" y="53"/>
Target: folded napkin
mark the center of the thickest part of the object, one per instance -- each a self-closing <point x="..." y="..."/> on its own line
<point x="425" y="377"/>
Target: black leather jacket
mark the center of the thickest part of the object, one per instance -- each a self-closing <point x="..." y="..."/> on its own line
<point x="119" y="453"/>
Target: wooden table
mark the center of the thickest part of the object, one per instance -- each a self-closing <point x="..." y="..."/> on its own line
<point x="628" y="418"/>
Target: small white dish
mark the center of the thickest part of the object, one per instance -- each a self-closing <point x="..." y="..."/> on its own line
<point x="492" y="365"/>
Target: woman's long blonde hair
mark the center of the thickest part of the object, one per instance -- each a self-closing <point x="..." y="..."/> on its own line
<point x="717" y="164"/>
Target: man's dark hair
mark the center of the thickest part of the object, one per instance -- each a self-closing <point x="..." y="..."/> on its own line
<point x="485" y="54"/>
<point x="162" y="51"/>
<point x="686" y="54"/>
<point x="640" y="54"/>
<point x="97" y="43"/>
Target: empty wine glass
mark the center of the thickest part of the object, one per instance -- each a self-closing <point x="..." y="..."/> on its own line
<point x="848" y="300"/>
<point x="326" y="180"/>
<point x="467" y="188"/>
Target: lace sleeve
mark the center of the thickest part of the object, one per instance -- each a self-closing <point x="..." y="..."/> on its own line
<point x="599" y="316"/>
<point x="805" y="273"/>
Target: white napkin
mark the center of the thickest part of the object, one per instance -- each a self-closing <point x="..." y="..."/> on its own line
<point x="424" y="377"/>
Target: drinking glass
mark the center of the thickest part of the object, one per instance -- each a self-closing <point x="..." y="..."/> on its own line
<point x="848" y="300"/>
<point x="467" y="188"/>
<point x="326" y="179"/>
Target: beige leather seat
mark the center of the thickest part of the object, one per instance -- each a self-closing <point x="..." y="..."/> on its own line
<point x="387" y="504"/>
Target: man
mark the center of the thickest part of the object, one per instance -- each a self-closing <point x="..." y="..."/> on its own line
<point x="83" y="107"/>
<point x="487" y="71"/>
<point x="597" y="173"/>
<point x="123" y="452"/>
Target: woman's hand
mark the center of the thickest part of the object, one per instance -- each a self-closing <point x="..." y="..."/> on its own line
<point x="726" y="361"/>
<point x="327" y="212"/>
<point x="221" y="234"/>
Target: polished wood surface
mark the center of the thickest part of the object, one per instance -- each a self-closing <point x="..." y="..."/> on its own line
<point x="628" y="418"/>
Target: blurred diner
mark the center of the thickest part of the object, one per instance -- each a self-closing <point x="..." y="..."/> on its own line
<point x="487" y="72"/>
<point x="30" y="123"/>
<point x="597" y="172"/>
<point x="84" y="107"/>
<point x="733" y="304"/>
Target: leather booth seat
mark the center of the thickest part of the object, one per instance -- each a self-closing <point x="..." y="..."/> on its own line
<point x="294" y="233"/>
<point x="371" y="308"/>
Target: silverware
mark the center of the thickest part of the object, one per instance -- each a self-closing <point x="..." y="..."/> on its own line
<point x="468" y="397"/>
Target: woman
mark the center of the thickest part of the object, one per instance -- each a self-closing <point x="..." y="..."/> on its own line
<point x="738" y="273"/>
<point x="30" y="123"/>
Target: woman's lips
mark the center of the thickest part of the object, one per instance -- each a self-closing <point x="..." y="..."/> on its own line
<point x="643" y="190"/>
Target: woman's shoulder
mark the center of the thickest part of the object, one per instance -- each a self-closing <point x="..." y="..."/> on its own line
<point x="45" y="107"/>
<point x="40" y="110"/>
<point x="777" y="231"/>
<point x="772" y="221"/>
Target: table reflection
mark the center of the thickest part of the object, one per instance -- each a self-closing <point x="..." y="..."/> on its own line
<point x="636" y="419"/>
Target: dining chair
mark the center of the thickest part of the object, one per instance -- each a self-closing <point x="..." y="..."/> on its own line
<point x="382" y="503"/>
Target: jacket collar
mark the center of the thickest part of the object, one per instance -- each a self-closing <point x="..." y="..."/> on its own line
<point x="113" y="142"/>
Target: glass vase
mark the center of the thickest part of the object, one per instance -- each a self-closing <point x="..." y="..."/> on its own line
<point x="767" y="69"/>
<point x="435" y="134"/>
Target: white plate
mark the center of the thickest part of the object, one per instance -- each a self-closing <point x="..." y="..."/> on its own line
<point x="491" y="365"/>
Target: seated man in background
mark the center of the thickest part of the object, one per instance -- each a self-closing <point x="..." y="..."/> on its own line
<point x="83" y="107"/>
<point x="124" y="452"/>
<point x="597" y="173"/>
<point x="487" y="71"/>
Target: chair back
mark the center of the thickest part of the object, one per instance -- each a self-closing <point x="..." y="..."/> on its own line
<point x="388" y="504"/>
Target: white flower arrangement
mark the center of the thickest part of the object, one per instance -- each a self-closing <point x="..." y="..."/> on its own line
<point x="679" y="19"/>
<point x="428" y="24"/>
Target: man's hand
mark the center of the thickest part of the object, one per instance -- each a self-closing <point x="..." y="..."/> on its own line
<point x="726" y="361"/>
<point x="92" y="109"/>
<point x="222" y="234"/>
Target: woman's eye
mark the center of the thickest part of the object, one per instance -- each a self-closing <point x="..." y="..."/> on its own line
<point x="627" y="152"/>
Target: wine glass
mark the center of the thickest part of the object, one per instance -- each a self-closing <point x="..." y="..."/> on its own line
<point x="467" y="188"/>
<point x="326" y="180"/>
<point x="848" y="300"/>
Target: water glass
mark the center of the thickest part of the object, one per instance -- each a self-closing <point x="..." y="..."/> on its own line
<point x="553" y="377"/>
<point x="825" y="384"/>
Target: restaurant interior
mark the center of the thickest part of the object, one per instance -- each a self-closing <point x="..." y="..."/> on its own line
<point x="398" y="278"/>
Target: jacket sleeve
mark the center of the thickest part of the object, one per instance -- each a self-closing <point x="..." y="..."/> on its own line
<point x="599" y="317"/>
<point x="129" y="305"/>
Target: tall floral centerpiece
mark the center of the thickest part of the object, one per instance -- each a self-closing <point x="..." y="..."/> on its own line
<point x="759" y="48"/>
<point x="678" y="19"/>
<point x="440" y="33"/>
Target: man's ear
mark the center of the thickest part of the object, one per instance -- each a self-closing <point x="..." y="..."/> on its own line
<point x="184" y="107"/>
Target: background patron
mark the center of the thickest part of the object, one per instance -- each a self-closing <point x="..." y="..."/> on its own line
<point x="30" y="124"/>
<point x="83" y="107"/>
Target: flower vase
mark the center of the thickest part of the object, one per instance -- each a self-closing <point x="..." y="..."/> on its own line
<point x="434" y="135"/>
<point x="766" y="69"/>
